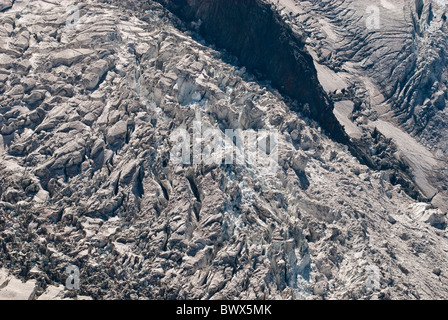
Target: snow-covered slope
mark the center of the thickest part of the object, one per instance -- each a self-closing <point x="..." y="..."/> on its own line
<point x="90" y="102"/>
<point x="390" y="59"/>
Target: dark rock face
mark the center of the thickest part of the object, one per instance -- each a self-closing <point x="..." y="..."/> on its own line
<point x="264" y="44"/>
<point x="257" y="35"/>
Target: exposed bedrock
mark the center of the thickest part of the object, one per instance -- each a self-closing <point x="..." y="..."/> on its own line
<point x="266" y="46"/>
<point x="258" y="36"/>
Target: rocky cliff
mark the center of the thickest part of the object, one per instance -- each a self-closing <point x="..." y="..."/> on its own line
<point x="261" y="41"/>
